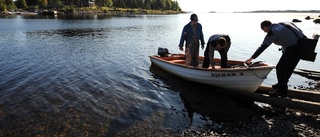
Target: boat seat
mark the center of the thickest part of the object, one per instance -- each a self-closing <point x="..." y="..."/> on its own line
<point x="179" y="61"/>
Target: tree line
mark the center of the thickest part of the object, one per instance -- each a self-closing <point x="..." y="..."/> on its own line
<point x="59" y="4"/>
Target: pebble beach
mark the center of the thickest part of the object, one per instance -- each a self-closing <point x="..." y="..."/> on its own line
<point x="270" y="122"/>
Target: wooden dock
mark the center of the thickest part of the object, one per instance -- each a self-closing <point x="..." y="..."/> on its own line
<point x="308" y="101"/>
<point x="310" y="74"/>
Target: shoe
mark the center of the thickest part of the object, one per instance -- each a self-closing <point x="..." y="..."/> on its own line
<point x="277" y="94"/>
<point x="275" y="86"/>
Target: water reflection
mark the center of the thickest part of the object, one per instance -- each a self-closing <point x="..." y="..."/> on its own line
<point x="7" y="16"/>
<point x="36" y="16"/>
<point x="67" y="17"/>
<point x="207" y="101"/>
<point x="86" y="32"/>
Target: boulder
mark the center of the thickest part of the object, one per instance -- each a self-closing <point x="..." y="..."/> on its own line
<point x="307" y="18"/>
<point x="316" y="20"/>
<point x="296" y="20"/>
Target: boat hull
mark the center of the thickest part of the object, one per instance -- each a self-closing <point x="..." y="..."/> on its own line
<point x="246" y="79"/>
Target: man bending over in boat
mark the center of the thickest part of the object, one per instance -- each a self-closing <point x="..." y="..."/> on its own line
<point x="221" y="43"/>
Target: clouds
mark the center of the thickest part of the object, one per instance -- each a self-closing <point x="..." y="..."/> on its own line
<point x="246" y="5"/>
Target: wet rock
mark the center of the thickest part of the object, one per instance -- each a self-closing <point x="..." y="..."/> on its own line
<point x="316" y="20"/>
<point x="307" y="18"/>
<point x="296" y="20"/>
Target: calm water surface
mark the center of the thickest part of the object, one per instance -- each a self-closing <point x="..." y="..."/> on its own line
<point x="91" y="75"/>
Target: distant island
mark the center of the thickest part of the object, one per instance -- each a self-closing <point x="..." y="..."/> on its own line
<point x="317" y="20"/>
<point x="280" y="11"/>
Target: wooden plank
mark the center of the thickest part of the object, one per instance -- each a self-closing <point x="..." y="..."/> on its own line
<point x="306" y="73"/>
<point x="297" y="104"/>
<point x="294" y="93"/>
<point x="310" y="75"/>
<point x="308" y="70"/>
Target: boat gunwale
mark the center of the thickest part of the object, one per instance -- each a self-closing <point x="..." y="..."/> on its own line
<point x="267" y="66"/>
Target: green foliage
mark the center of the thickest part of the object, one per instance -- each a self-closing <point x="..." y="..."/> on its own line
<point x="119" y="4"/>
<point x="42" y="3"/>
<point x="33" y="7"/>
<point x="104" y="3"/>
<point x="54" y="3"/>
<point x="70" y="9"/>
<point x="169" y="4"/>
<point x="32" y="2"/>
<point x="21" y="4"/>
<point x="161" y="4"/>
<point x="3" y="7"/>
<point x="147" y="4"/>
<point x="11" y="7"/>
<point x="58" y="4"/>
<point x="9" y="2"/>
<point x="7" y="5"/>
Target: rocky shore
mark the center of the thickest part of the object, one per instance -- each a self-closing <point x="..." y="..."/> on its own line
<point x="270" y="122"/>
<point x="112" y="12"/>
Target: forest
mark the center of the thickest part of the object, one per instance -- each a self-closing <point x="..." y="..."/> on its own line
<point x="10" y="5"/>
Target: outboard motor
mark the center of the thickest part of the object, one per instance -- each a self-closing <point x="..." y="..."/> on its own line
<point x="163" y="52"/>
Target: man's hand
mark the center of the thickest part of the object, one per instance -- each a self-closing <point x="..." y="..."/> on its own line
<point x="202" y="46"/>
<point x="248" y="61"/>
<point x="181" y="48"/>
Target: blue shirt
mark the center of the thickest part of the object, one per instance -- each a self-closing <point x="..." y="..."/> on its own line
<point x="187" y="34"/>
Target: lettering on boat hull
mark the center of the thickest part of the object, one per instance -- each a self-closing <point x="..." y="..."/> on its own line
<point x="226" y="74"/>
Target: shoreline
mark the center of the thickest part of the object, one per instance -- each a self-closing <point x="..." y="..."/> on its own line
<point x="121" y="11"/>
<point x="115" y="12"/>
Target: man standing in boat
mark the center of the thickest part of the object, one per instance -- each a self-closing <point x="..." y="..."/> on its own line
<point x="192" y="34"/>
<point x="221" y="43"/>
<point x="285" y="35"/>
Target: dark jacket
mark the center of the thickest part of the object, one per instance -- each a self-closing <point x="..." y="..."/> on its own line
<point x="187" y="34"/>
<point x="211" y="48"/>
<point x="281" y="35"/>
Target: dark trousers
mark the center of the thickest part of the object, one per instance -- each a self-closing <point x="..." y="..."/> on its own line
<point x="223" y="54"/>
<point x="286" y="65"/>
<point x="194" y="54"/>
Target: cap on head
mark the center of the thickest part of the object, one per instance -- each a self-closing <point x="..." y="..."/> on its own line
<point x="194" y="17"/>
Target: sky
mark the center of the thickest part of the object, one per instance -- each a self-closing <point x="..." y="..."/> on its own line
<point x="247" y="5"/>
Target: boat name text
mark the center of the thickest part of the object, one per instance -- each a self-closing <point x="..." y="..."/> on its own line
<point x="226" y="74"/>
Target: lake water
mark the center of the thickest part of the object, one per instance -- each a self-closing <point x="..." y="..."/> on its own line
<point x="91" y="75"/>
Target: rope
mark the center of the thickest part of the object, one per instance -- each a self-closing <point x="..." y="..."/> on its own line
<point x="248" y="67"/>
<point x="263" y="77"/>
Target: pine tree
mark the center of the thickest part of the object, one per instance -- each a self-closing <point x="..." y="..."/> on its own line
<point x="22" y="4"/>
